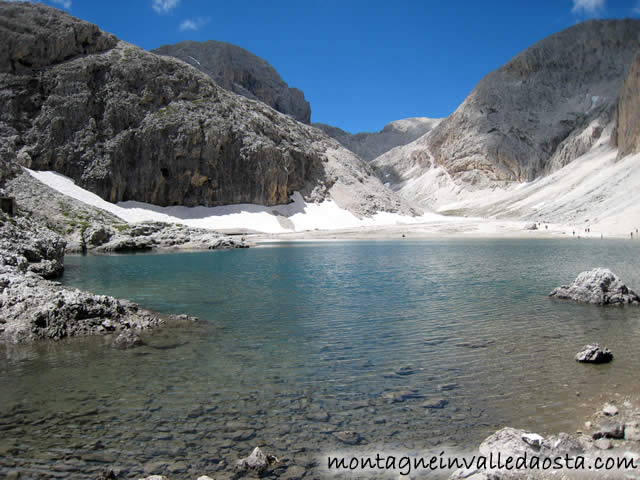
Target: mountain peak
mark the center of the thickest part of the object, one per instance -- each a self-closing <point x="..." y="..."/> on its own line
<point x="241" y="72"/>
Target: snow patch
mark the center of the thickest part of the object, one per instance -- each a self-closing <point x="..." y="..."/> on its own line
<point x="189" y="56"/>
<point x="295" y="216"/>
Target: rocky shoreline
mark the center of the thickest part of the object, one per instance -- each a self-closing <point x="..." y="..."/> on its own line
<point x="613" y="431"/>
<point x="33" y="306"/>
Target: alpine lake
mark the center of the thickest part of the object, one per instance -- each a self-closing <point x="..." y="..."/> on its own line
<point x="413" y="345"/>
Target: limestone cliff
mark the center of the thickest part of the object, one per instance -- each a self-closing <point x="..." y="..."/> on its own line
<point x="241" y="72"/>
<point x="628" y="114"/>
<point x="541" y="110"/>
<point x="127" y="124"/>
<point x="523" y="120"/>
<point x="368" y="146"/>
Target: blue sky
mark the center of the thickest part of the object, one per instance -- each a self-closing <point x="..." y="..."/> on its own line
<point x="360" y="63"/>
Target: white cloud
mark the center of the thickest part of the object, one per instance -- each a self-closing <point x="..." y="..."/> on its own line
<point x="194" y="24"/>
<point x="588" y="7"/>
<point x="164" y="6"/>
<point x="637" y="8"/>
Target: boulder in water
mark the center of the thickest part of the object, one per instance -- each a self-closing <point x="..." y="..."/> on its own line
<point x="599" y="286"/>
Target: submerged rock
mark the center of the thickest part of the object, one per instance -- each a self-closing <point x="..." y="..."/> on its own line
<point x="127" y="339"/>
<point x="406" y="370"/>
<point x="319" y="416"/>
<point x="598" y="286"/>
<point x="447" y="386"/>
<point x="349" y="437"/>
<point x="399" y="396"/>
<point x="294" y="472"/>
<point x="436" y="403"/>
<point x="594" y="354"/>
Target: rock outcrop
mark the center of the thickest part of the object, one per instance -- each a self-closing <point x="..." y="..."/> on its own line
<point x="29" y="247"/>
<point x="150" y="236"/>
<point x="257" y="463"/>
<point x="32" y="307"/>
<point x="628" y="114"/>
<point x="538" y="112"/>
<point x="369" y="146"/>
<point x="599" y="286"/>
<point x="521" y="446"/>
<point x="241" y="72"/>
<point x="127" y="124"/>
<point x="594" y="354"/>
<point x="89" y="229"/>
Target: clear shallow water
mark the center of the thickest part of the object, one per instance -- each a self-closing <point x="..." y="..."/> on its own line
<point x="302" y="340"/>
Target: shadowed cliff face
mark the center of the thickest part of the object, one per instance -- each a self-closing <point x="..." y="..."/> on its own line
<point x="241" y="72"/>
<point x="628" y="115"/>
<point x="130" y="125"/>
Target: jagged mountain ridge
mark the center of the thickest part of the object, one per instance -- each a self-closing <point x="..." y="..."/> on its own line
<point x="369" y="146"/>
<point x="544" y="108"/>
<point x="241" y="72"/>
<point x="127" y="124"/>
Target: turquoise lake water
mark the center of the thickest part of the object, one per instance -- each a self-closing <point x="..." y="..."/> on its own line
<point x="299" y="341"/>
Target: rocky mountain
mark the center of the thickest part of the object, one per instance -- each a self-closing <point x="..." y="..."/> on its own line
<point x="628" y="115"/>
<point x="541" y="110"/>
<point x="371" y="145"/>
<point x="127" y="124"/>
<point x="242" y="72"/>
